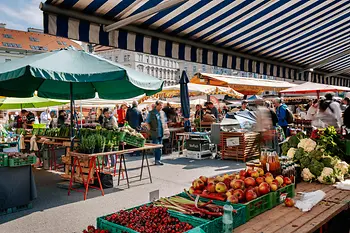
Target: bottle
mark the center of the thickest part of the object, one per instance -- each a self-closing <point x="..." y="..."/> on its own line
<point x="227" y="219"/>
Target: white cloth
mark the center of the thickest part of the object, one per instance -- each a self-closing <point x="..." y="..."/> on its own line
<point x="166" y="132"/>
<point x="336" y="112"/>
<point x="309" y="200"/>
<point x="45" y="118"/>
<point x="311" y="113"/>
<point x="33" y="144"/>
<point x="22" y="145"/>
<point x="345" y="185"/>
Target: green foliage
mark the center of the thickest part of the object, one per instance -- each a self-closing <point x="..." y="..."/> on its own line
<point x="293" y="141"/>
<point x="316" y="167"/>
<point x="299" y="153"/>
<point x="100" y="141"/>
<point x="305" y="162"/>
<point x="328" y="161"/>
<point x="332" y="143"/>
<point x="316" y="154"/>
<point x="285" y="147"/>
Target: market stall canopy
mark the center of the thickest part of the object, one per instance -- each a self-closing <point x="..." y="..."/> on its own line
<point x="199" y="89"/>
<point x="32" y="102"/>
<point x="284" y="39"/>
<point x="248" y="86"/>
<point x="308" y="87"/>
<point x="52" y="73"/>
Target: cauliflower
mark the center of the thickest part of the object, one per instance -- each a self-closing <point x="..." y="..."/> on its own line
<point x="307" y="175"/>
<point x="327" y="176"/>
<point x="316" y="167"/>
<point x="341" y="169"/>
<point x="291" y="152"/>
<point x="307" y="144"/>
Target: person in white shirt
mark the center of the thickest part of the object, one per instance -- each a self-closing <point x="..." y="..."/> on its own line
<point x="312" y="111"/>
<point x="333" y="108"/>
<point x="45" y="117"/>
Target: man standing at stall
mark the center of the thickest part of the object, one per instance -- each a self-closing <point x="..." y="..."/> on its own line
<point x="244" y="106"/>
<point x="282" y="113"/>
<point x="213" y="110"/>
<point x="154" y="123"/>
<point x="134" y="119"/>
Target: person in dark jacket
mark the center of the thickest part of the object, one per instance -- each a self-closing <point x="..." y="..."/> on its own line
<point x="281" y="112"/>
<point x="134" y="117"/>
<point x="347" y="113"/>
<point x="61" y="118"/>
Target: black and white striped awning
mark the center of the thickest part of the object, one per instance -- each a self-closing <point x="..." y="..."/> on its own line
<point x="281" y="38"/>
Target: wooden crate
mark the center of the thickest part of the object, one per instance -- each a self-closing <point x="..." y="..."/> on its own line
<point x="248" y="148"/>
<point x="77" y="178"/>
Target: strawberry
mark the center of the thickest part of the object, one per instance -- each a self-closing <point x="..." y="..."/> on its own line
<point x="91" y="229"/>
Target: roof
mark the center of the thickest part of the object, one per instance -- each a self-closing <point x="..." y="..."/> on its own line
<point x="33" y="41"/>
<point x="309" y="87"/>
<point x="279" y="38"/>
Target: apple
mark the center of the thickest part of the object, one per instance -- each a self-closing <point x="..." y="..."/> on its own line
<point x="221" y="187"/>
<point x="249" y="181"/>
<point x="219" y="178"/>
<point x="227" y="181"/>
<point x="249" y="172"/>
<point x="239" y="194"/>
<point x="211" y="187"/>
<point x="268" y="174"/>
<point x="273" y="186"/>
<point x="289" y="202"/>
<point x="254" y="174"/>
<point x="256" y="190"/>
<point x="287" y="181"/>
<point x="280" y="180"/>
<point x="264" y="188"/>
<point x="198" y="184"/>
<point x="211" y="180"/>
<point x="260" y="171"/>
<point x="259" y="180"/>
<point x="204" y="179"/>
<point x="191" y="190"/>
<point x="232" y="199"/>
<point x="250" y="195"/>
<point x="226" y="176"/>
<point x="269" y="179"/>
<point x="238" y="184"/>
<point x="276" y="182"/>
<point x="230" y="192"/>
<point x="237" y="177"/>
<point x="242" y="173"/>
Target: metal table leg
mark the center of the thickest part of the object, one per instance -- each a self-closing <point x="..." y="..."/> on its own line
<point x="126" y="170"/>
<point x="149" y="170"/>
<point x="143" y="158"/>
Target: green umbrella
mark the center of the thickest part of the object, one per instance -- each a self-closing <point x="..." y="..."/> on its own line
<point x="54" y="74"/>
<point x="32" y="102"/>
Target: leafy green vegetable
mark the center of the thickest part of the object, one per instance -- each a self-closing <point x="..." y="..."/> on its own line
<point x="316" y="154"/>
<point x="285" y="147"/>
<point x="328" y="161"/>
<point x="299" y="153"/>
<point x="316" y="167"/>
<point x="293" y="141"/>
<point x="305" y="162"/>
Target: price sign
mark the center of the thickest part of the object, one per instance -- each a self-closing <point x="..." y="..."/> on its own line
<point x="154" y="195"/>
<point x="232" y="141"/>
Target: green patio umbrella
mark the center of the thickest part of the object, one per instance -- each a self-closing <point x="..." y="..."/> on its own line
<point x="32" y="102"/>
<point x="71" y="74"/>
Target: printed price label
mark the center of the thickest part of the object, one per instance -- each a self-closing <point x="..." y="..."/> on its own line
<point x="232" y="141"/>
<point x="283" y="197"/>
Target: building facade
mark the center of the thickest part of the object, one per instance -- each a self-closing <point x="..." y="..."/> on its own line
<point x="16" y="44"/>
<point x="160" y="67"/>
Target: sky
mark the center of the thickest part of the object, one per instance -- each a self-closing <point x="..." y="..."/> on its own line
<point x="21" y="14"/>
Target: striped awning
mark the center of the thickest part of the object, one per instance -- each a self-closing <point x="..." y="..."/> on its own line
<point x="278" y="38"/>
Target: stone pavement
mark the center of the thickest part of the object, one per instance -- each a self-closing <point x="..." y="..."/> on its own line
<point x="55" y="211"/>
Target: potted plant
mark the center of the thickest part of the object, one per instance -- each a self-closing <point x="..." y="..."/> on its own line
<point x="100" y="143"/>
<point x="90" y="144"/>
<point x="109" y="146"/>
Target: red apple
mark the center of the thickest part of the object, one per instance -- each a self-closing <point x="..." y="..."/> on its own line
<point x="259" y="180"/>
<point x="289" y="202"/>
<point x="254" y="174"/>
<point x="264" y="188"/>
<point x="249" y="172"/>
<point x="232" y="199"/>
<point x="221" y="187"/>
<point x="204" y="179"/>
<point x="276" y="182"/>
<point x="219" y="178"/>
<point x="242" y="173"/>
<point x="273" y="186"/>
<point x="238" y="184"/>
<point x="249" y="181"/>
<point x="268" y="179"/>
<point x="256" y="190"/>
<point x="261" y="171"/>
<point x="211" y="187"/>
<point x="227" y="181"/>
<point x="239" y="194"/>
<point x="250" y="195"/>
<point x="198" y="184"/>
<point x="287" y="181"/>
<point x="230" y="192"/>
<point x="191" y="190"/>
<point x="268" y="174"/>
<point x="211" y="180"/>
<point x="280" y="180"/>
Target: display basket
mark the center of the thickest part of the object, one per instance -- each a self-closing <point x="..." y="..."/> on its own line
<point x="134" y="141"/>
<point x="17" y="162"/>
<point x="4" y="161"/>
<point x="103" y="224"/>
<point x="278" y="197"/>
<point x="215" y="225"/>
<point x="258" y="205"/>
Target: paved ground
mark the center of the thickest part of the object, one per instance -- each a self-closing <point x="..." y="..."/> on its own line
<point x="54" y="211"/>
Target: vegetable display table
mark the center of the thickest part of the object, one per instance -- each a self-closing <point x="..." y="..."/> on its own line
<point x="17" y="186"/>
<point x="79" y="158"/>
<point x="283" y="219"/>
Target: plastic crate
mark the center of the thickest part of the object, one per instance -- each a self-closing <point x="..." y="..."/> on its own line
<point x="215" y="225"/>
<point x="258" y="206"/>
<point x="16" y="209"/>
<point x="103" y="224"/>
<point x="4" y="161"/>
<point x="276" y="196"/>
<point x="134" y="141"/>
<point x="16" y="162"/>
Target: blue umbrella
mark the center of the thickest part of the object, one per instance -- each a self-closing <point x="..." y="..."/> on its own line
<point x="185" y="101"/>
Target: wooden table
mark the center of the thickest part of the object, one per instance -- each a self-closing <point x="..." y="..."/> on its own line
<point x="282" y="219"/>
<point x="92" y="165"/>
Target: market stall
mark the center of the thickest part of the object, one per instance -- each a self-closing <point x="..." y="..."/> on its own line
<point x="315" y="88"/>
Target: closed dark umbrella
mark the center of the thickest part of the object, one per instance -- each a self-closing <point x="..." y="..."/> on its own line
<point x="185" y="101"/>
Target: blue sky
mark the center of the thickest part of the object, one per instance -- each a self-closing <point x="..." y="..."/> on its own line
<point x="21" y="14"/>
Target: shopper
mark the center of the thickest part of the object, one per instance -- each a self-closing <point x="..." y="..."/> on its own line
<point x="325" y="118"/>
<point x="109" y="121"/>
<point x="170" y="113"/>
<point x="213" y="110"/>
<point x="45" y="117"/>
<point x="154" y="123"/>
<point x="122" y="114"/>
<point x="333" y="107"/>
<point x="199" y="112"/>
<point x="61" y="118"/>
<point x="20" y="118"/>
<point x="244" y="106"/>
<point x="347" y="113"/>
<point x="312" y="111"/>
<point x="30" y="120"/>
<point x="282" y="114"/>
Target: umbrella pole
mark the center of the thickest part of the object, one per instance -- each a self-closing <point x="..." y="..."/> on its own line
<point x="81" y="112"/>
<point x="71" y="117"/>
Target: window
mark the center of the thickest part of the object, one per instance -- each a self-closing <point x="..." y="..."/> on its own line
<point x="33" y="39"/>
<point x="140" y="57"/>
<point x="147" y="59"/>
<point x="147" y="69"/>
<point x="7" y="59"/>
<point x="41" y="48"/>
<point x="116" y="58"/>
<point x="126" y="57"/>
<point x="11" y="45"/>
<point x="64" y="43"/>
<point x="9" y="36"/>
<point x="59" y="42"/>
<point x="140" y="68"/>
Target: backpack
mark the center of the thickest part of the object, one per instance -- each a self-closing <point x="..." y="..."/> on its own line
<point x="289" y="116"/>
